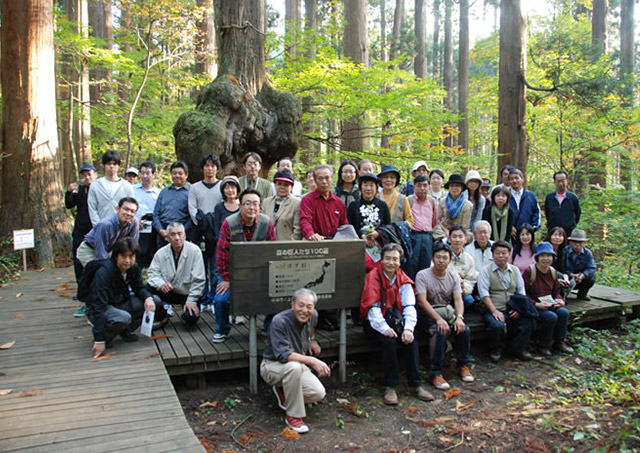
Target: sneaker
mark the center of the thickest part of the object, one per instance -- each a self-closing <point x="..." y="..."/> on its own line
<point x="544" y="352"/>
<point x="465" y="374"/>
<point x="495" y="355"/>
<point x="525" y="356"/>
<point x="169" y="309"/>
<point x="80" y="312"/>
<point x="128" y="337"/>
<point x="239" y="320"/>
<point x="583" y="297"/>
<point x="563" y="347"/>
<point x="219" y="337"/>
<point x="423" y="394"/>
<point x="296" y="424"/>
<point x="439" y="382"/>
<point x="279" y="393"/>
<point x="390" y="397"/>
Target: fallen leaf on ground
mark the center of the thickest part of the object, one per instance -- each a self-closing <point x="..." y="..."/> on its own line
<point x="209" y="404"/>
<point x="425" y="423"/>
<point x="79" y="337"/>
<point x="34" y="392"/>
<point x="352" y="447"/>
<point x="617" y="293"/>
<point x="444" y="439"/>
<point x="453" y="391"/>
<point x="211" y="423"/>
<point x="103" y="357"/>
<point x="42" y="269"/>
<point x="64" y="295"/>
<point x="162" y="335"/>
<point x="342" y="401"/>
<point x="290" y="434"/>
<point x="8" y="345"/>
<point x="19" y="295"/>
<point x="616" y="413"/>
<point x="535" y="445"/>
<point x="464" y="406"/>
<point x="224" y="423"/>
<point x="412" y="410"/>
<point x="4" y="392"/>
<point x="19" y="315"/>
<point x="62" y="287"/>
<point x="40" y="299"/>
<point x="155" y="354"/>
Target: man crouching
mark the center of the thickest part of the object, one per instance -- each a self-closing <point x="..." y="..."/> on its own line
<point x="286" y="359"/>
<point x="111" y="308"/>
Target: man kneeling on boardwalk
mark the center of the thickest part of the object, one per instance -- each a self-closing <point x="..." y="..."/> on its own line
<point x="107" y="287"/>
<point x="288" y="357"/>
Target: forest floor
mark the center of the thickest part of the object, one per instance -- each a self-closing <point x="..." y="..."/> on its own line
<point x="583" y="402"/>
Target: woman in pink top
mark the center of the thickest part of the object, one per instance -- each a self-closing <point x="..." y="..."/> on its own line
<point x="524" y="250"/>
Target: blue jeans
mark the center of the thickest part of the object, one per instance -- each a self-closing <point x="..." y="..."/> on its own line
<point x="422" y="244"/>
<point x="469" y="301"/>
<point x="438" y="347"/>
<point x="552" y="326"/>
<point x="518" y="330"/>
<point x="221" y="303"/>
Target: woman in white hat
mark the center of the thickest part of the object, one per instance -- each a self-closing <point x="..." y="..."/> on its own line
<point x="473" y="180"/>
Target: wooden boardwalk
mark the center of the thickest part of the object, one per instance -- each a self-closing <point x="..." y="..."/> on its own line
<point x="124" y="403"/>
<point x="192" y="351"/>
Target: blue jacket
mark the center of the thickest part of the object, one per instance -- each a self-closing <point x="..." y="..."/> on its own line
<point x="566" y="215"/>
<point x="582" y="263"/>
<point x="528" y="212"/>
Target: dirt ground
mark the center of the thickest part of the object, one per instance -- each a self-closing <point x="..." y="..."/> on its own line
<point x="506" y="409"/>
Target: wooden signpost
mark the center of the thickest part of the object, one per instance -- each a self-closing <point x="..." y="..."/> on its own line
<point x="264" y="276"/>
<point x="23" y="240"/>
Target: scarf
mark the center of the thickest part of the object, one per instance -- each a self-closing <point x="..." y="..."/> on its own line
<point x="454" y="207"/>
<point x="499" y="215"/>
<point x="377" y="289"/>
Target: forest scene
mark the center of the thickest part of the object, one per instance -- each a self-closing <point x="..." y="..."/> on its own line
<point x="463" y="85"/>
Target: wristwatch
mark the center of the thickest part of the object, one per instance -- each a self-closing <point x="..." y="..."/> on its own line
<point x="460" y="316"/>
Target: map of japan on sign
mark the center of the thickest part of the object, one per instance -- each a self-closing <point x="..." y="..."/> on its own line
<point x="285" y="277"/>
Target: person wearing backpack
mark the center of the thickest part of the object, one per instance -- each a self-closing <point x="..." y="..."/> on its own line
<point x="542" y="287"/>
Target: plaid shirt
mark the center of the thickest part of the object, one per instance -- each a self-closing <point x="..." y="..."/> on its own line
<point x="222" y="251"/>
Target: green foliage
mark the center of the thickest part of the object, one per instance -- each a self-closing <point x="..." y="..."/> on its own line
<point x="230" y="403"/>
<point x="9" y="260"/>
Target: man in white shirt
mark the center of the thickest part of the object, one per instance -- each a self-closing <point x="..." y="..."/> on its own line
<point x="105" y="193"/>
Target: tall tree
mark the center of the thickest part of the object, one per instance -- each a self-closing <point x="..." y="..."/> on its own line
<point x="308" y="126"/>
<point x="31" y="183"/>
<point x="206" y="62"/>
<point x="435" y="57"/>
<point x="292" y="26"/>
<point x="447" y="70"/>
<point x="396" y="30"/>
<point x="384" y="52"/>
<point x="512" y="131"/>
<point x="420" y="65"/>
<point x="627" y="48"/>
<point x="463" y="76"/>
<point x="101" y="27"/>
<point x="356" y="48"/>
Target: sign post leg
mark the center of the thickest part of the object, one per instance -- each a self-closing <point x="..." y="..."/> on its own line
<point x="342" y="346"/>
<point x="253" y="355"/>
<point x="24" y="260"/>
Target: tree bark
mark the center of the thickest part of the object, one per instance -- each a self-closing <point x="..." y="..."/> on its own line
<point x="309" y="146"/>
<point x="512" y="131"/>
<point x="31" y="182"/>
<point x="239" y="112"/>
<point x="356" y="48"/>
<point x="206" y="40"/>
<point x="627" y="48"/>
<point x="384" y="51"/>
<point x="435" y="64"/>
<point x="397" y="28"/>
<point x="420" y="64"/>
<point x="292" y="26"/>
<point x="463" y="76"/>
<point x="447" y="72"/>
<point x="101" y="26"/>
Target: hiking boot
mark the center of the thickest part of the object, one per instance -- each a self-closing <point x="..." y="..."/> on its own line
<point x="219" y="338"/>
<point x="80" y="312"/>
<point x="525" y="356"/>
<point x="390" y="396"/>
<point x="495" y="355"/>
<point x="439" y="382"/>
<point x="563" y="347"/>
<point x="465" y="374"/>
<point x="545" y="352"/>
<point x="296" y="424"/>
<point x="423" y="394"/>
<point x="128" y="337"/>
<point x="583" y="296"/>
<point x="279" y="393"/>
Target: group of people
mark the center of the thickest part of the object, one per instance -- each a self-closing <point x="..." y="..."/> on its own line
<point x="436" y="249"/>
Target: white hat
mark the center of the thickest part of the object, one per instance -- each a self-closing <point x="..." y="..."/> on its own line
<point x="419" y="164"/>
<point x="472" y="175"/>
<point x="133" y="170"/>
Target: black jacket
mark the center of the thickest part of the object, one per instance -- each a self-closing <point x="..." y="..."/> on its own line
<point x="79" y="200"/>
<point x="566" y="215"/>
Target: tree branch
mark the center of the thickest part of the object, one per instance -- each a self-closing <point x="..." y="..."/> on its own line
<point x="524" y="80"/>
<point x="246" y="25"/>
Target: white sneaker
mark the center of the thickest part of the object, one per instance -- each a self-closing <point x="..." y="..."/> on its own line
<point x="239" y="320"/>
<point x="219" y="338"/>
<point x="169" y="309"/>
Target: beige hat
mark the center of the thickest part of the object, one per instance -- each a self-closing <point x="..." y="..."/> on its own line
<point x="578" y="236"/>
<point x="472" y="175"/>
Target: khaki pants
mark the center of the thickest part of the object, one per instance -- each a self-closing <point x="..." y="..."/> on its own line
<point x="300" y="385"/>
<point x="85" y="253"/>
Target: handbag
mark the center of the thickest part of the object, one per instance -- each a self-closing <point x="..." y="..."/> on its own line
<point x="394" y="319"/>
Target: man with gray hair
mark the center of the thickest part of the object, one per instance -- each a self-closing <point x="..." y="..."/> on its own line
<point x="288" y="359"/>
<point x="176" y="276"/>
<point x="480" y="248"/>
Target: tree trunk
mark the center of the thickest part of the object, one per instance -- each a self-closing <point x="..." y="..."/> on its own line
<point x="463" y="76"/>
<point x="356" y="48"/>
<point x="435" y="68"/>
<point x="448" y="66"/>
<point x="83" y="124"/>
<point x="101" y="26"/>
<point x="384" y="54"/>
<point x="206" y="40"/>
<point x="597" y="157"/>
<point x="420" y="64"/>
<point x="397" y="28"/>
<point x="309" y="146"/>
<point x="512" y="131"/>
<point x="32" y="189"/>
<point x="239" y="112"/>
<point x="627" y="47"/>
<point x="292" y="27"/>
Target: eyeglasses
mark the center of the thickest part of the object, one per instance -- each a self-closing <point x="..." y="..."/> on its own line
<point x="251" y="204"/>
